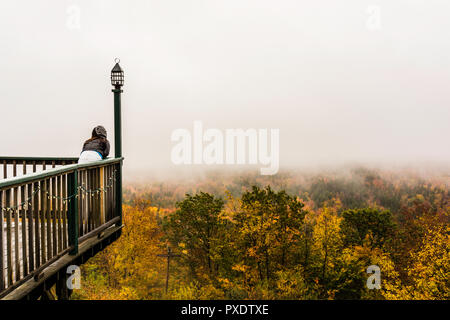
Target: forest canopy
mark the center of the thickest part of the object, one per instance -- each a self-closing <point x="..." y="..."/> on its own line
<point x="290" y="236"/>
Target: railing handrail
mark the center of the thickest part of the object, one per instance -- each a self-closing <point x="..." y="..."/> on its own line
<point x="36" y="176"/>
<point x="10" y="160"/>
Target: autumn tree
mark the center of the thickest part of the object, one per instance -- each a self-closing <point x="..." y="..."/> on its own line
<point x="269" y="226"/>
<point x="327" y="248"/>
<point x="359" y="223"/>
<point x="430" y="271"/>
<point x="197" y="227"/>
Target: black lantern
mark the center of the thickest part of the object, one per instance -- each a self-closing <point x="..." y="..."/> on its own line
<point x="117" y="75"/>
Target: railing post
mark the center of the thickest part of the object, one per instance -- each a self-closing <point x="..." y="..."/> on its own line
<point x="72" y="214"/>
<point x="117" y="82"/>
<point x="118" y="194"/>
<point x="117" y="122"/>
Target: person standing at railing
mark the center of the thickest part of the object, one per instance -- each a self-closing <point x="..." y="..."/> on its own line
<point x="96" y="148"/>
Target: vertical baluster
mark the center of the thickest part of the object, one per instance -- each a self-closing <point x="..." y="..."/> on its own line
<point x="88" y="200"/>
<point x="14" y="168"/>
<point x="92" y="197"/>
<point x="93" y="202"/>
<point x="81" y="202"/>
<point x="95" y="199"/>
<point x="43" y="221"/>
<point x="25" y="223"/>
<point x="8" y="237"/>
<point x="29" y="214"/>
<point x="16" y="234"/>
<point x="53" y="215"/>
<point x="49" y="221"/>
<point x="59" y="212"/>
<point x="34" y="166"/>
<point x="2" y="250"/>
<point x="114" y="194"/>
<point x="64" y="212"/>
<point x="5" y="169"/>
<point x="99" y="196"/>
<point x="86" y="203"/>
<point x="24" y="229"/>
<point x="106" y="193"/>
<point x="35" y="202"/>
<point x="102" y="196"/>
<point x="110" y="192"/>
<point x="72" y="187"/>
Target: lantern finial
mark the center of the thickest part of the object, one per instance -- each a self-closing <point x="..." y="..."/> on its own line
<point x="117" y="76"/>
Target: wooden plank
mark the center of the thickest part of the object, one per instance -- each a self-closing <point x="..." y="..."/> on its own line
<point x="14" y="168"/>
<point x="16" y="234"/>
<point x="48" y="222"/>
<point x="2" y="267"/>
<point x="111" y="192"/>
<point x="37" y="241"/>
<point x="86" y="203"/>
<point x="89" y="195"/>
<point x="5" y="170"/>
<point x="107" y="193"/>
<point x="102" y="195"/>
<point x="114" y="191"/>
<point x="24" y="229"/>
<point x="65" y="206"/>
<point x="61" y="263"/>
<point x="43" y="203"/>
<point x="53" y="216"/>
<point x="96" y="208"/>
<point x="58" y="210"/>
<point x="81" y="203"/>
<point x="8" y="238"/>
<point x="29" y="214"/>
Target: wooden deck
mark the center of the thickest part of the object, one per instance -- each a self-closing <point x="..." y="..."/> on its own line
<point x="19" y="268"/>
<point x="56" y="271"/>
<point x="46" y="215"/>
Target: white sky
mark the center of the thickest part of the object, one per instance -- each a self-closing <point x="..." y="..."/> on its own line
<point x="338" y="91"/>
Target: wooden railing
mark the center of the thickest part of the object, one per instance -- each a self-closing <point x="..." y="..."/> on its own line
<point x="45" y="215"/>
<point x="14" y="166"/>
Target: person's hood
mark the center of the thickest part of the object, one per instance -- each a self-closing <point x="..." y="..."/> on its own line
<point x="99" y="131"/>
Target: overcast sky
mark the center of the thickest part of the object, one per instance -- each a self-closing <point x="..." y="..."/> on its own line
<point x="344" y="81"/>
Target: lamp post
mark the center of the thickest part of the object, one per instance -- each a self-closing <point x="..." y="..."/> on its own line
<point x="117" y="80"/>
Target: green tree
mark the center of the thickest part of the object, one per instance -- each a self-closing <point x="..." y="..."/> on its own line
<point x="197" y="227"/>
<point x="269" y="226"/>
<point x="360" y="223"/>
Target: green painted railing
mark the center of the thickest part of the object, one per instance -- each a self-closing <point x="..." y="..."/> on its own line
<point x="46" y="214"/>
<point x="14" y="166"/>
